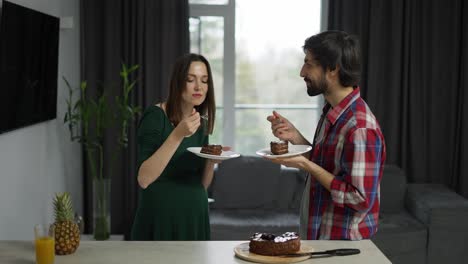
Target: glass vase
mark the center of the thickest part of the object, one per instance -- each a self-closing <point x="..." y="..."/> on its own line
<point x="101" y="208"/>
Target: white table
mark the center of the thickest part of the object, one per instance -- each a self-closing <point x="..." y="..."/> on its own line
<point x="90" y="237"/>
<point x="206" y="252"/>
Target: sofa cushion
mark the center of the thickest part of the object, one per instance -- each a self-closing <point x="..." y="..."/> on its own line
<point x="422" y="198"/>
<point x="444" y="212"/>
<point x="392" y="189"/>
<point x="400" y="234"/>
<point x="290" y="189"/>
<point x="246" y="182"/>
<point x="414" y="257"/>
<point x="242" y="224"/>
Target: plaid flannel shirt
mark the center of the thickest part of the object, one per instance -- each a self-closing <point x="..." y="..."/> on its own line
<point x="349" y="144"/>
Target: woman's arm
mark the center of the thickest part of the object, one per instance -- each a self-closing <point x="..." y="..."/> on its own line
<point x="208" y="173"/>
<point x="151" y="169"/>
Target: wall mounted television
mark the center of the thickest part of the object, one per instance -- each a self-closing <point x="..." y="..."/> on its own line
<point x="29" y="44"/>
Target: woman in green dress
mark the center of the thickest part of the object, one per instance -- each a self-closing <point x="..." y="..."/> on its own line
<point x="173" y="202"/>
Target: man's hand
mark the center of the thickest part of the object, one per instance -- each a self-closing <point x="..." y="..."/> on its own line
<point x="298" y="161"/>
<point x="321" y="175"/>
<point x="282" y="128"/>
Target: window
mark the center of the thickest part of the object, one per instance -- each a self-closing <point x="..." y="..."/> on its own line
<point x="209" y="2"/>
<point x="207" y="38"/>
<point x="256" y="59"/>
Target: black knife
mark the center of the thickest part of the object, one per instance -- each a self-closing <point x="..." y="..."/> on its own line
<point x="333" y="252"/>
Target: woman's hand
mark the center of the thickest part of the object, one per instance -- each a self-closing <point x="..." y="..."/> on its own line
<point x="208" y="172"/>
<point x="282" y="128"/>
<point x="189" y="125"/>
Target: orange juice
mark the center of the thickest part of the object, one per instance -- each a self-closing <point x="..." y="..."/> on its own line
<point x="45" y="251"/>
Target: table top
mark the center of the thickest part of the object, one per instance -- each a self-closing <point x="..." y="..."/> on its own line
<point x="205" y="252"/>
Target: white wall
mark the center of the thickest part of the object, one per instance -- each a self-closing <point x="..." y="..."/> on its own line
<point x="39" y="160"/>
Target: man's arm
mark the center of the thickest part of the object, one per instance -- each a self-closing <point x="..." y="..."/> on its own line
<point x="362" y="156"/>
<point x="357" y="188"/>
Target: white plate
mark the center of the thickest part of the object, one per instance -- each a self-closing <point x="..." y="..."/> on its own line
<point x="224" y="155"/>
<point x="294" y="150"/>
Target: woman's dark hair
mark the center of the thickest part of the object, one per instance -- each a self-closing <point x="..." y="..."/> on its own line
<point x="337" y="48"/>
<point x="177" y="87"/>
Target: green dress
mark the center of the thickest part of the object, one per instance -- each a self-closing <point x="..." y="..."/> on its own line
<point x="175" y="206"/>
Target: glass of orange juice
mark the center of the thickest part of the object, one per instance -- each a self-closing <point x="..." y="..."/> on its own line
<point x="45" y="243"/>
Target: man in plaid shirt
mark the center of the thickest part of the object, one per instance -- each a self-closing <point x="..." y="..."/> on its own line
<point x="342" y="195"/>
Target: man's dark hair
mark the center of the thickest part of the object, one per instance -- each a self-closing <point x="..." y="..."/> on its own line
<point x="337" y="48"/>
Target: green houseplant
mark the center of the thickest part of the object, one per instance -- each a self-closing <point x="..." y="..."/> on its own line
<point x="87" y="120"/>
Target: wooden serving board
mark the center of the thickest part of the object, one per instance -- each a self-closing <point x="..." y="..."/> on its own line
<point x="242" y="251"/>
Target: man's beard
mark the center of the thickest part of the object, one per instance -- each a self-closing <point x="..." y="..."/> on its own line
<point x="316" y="87"/>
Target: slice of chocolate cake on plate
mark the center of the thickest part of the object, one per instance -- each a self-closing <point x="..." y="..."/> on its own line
<point x="212" y="149"/>
<point x="279" y="147"/>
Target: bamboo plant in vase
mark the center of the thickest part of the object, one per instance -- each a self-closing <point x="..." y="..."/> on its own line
<point x="87" y="120"/>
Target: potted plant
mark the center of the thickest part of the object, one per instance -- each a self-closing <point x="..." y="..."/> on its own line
<point x="89" y="112"/>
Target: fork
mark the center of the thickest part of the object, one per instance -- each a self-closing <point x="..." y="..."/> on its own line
<point x="204" y="117"/>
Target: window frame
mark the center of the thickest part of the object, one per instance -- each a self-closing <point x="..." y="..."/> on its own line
<point x="228" y="13"/>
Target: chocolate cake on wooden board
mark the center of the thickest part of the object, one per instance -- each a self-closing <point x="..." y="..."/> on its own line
<point x="279" y="147"/>
<point x="272" y="245"/>
<point x="212" y="149"/>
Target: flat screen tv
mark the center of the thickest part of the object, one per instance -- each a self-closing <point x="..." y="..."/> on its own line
<point x="29" y="43"/>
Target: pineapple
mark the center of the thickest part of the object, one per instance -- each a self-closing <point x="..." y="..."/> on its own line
<point x="67" y="232"/>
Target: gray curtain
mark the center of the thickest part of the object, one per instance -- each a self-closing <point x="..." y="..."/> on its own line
<point x="415" y="80"/>
<point x="145" y="32"/>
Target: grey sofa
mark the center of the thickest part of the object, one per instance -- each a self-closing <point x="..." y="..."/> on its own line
<point x="252" y="194"/>
<point x="419" y="223"/>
